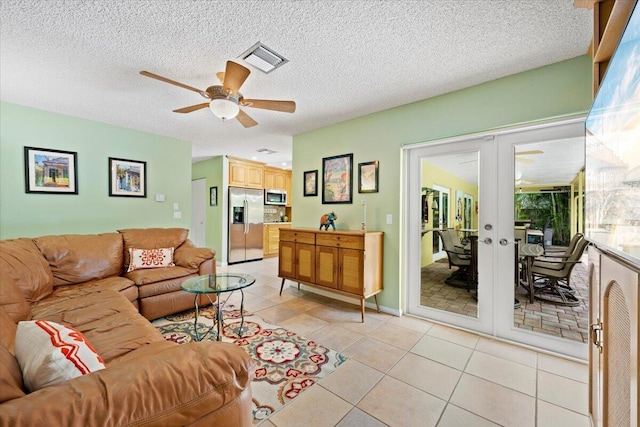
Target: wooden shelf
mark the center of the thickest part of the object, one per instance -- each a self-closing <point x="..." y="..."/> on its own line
<point x="609" y="20"/>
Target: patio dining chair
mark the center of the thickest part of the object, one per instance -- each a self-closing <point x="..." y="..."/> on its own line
<point x="552" y="279"/>
<point x="457" y="257"/>
<point x="563" y="253"/>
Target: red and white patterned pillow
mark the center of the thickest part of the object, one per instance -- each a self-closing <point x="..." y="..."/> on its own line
<point x="49" y="353"/>
<point x="150" y="258"/>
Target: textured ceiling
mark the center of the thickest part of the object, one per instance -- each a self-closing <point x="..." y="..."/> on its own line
<point x="347" y="58"/>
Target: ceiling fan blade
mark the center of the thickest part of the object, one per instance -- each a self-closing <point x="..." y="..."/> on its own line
<point x="173" y="82"/>
<point x="234" y="77"/>
<point x="245" y="119"/>
<point x="192" y="108"/>
<point x="220" y="76"/>
<point x="522" y="160"/>
<point x="519" y="153"/>
<point x="266" y="104"/>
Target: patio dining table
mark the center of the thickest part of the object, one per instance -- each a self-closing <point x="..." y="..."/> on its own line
<point x="528" y="253"/>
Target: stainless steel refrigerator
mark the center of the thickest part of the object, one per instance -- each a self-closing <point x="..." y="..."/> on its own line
<point x="246" y="217"/>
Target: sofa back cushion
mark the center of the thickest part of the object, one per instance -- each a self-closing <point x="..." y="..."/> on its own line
<point x="22" y="263"/>
<point x="151" y="238"/>
<point x="78" y="258"/>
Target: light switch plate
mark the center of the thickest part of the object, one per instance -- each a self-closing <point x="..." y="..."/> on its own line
<point x="177" y="215"/>
<point x="159" y="197"/>
<point x="176" y="207"/>
<point x="389" y="218"/>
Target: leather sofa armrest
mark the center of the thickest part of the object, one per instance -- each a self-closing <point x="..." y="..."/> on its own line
<point x="191" y="257"/>
<point x="175" y="386"/>
<point x="207" y="267"/>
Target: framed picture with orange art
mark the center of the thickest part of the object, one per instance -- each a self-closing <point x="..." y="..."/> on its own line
<point x="337" y="179"/>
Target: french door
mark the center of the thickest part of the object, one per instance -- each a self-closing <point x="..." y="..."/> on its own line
<point x="475" y="288"/>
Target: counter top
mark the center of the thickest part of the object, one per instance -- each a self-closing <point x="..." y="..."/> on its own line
<point x="275" y="223"/>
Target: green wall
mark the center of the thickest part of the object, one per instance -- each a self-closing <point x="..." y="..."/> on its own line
<point x="433" y="175"/>
<point x="556" y="90"/>
<point x="91" y="210"/>
<point x="213" y="171"/>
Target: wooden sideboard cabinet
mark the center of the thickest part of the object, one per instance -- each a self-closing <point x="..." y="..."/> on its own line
<point x="345" y="262"/>
<point x="614" y="357"/>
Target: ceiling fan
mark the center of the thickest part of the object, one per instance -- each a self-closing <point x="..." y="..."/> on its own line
<point x="526" y="153"/>
<point x="225" y="100"/>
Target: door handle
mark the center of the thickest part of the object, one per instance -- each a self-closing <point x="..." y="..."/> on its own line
<point x="486" y="241"/>
<point x="505" y="242"/>
<point x="245" y="205"/>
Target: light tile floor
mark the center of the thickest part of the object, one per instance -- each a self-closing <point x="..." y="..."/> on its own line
<point x="405" y="371"/>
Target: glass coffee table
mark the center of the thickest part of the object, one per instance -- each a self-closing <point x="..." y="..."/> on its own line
<point x="217" y="284"/>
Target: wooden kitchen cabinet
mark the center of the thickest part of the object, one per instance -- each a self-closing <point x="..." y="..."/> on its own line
<point x="274" y="178"/>
<point x="287" y="187"/>
<point x="272" y="238"/>
<point x="245" y="173"/>
<point x="346" y="262"/>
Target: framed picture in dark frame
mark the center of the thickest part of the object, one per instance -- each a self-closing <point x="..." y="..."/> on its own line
<point x="337" y="179"/>
<point x="311" y="183"/>
<point x="50" y="171"/>
<point x="368" y="177"/>
<point x="127" y="178"/>
<point x="213" y="196"/>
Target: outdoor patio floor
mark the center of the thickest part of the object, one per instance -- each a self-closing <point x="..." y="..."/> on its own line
<point x="551" y="319"/>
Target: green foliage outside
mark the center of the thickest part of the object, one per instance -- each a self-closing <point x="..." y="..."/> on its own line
<point x="543" y="207"/>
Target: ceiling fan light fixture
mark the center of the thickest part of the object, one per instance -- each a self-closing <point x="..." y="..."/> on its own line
<point x="224" y="108"/>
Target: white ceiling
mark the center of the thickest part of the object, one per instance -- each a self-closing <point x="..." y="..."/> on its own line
<point x="347" y="58"/>
<point x="555" y="163"/>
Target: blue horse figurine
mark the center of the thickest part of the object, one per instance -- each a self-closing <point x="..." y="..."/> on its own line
<point x="327" y="220"/>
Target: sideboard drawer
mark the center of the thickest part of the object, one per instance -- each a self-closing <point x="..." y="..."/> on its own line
<point x="298" y="236"/>
<point x="340" y="241"/>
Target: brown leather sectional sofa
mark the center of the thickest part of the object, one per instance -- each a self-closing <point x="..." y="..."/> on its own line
<point x="81" y="281"/>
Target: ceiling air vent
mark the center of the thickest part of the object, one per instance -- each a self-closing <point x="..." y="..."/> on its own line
<point x="265" y="151"/>
<point x="263" y="58"/>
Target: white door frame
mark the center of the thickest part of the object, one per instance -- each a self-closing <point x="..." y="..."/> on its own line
<point x="498" y="322"/>
<point x="508" y="143"/>
<point x="487" y="174"/>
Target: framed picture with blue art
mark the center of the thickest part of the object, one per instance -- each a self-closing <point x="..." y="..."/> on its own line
<point x="127" y="178"/>
<point x="50" y="171"/>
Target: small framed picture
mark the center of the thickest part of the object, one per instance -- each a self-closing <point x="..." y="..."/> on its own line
<point x="127" y="178"/>
<point x="368" y="177"/>
<point x="213" y="196"/>
<point x="311" y="183"/>
<point x="50" y="171"/>
<point x="337" y="179"/>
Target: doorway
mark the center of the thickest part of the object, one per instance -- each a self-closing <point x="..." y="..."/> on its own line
<point x="481" y="283"/>
<point x="198" y="212"/>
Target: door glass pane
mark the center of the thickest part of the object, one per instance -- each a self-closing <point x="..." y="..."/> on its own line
<point x="551" y="276"/>
<point x="449" y="185"/>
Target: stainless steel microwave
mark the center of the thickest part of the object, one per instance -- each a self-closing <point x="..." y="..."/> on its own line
<point x="275" y="197"/>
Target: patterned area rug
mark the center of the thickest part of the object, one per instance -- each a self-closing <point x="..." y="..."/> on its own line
<point x="287" y="364"/>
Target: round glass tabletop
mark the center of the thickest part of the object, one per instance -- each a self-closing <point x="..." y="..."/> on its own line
<point x="217" y="283"/>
